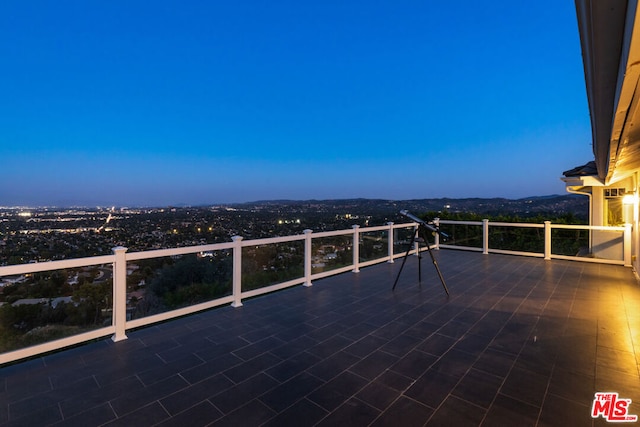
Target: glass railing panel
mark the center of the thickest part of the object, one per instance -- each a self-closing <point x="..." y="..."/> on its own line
<point x="570" y="242"/>
<point x="605" y="244"/>
<point x="466" y="235"/>
<point x="39" y="307"/>
<point x="331" y="253"/>
<point x="374" y="245"/>
<point x="266" y="265"/>
<point x="517" y="239"/>
<point x="157" y="285"/>
<point x="402" y="239"/>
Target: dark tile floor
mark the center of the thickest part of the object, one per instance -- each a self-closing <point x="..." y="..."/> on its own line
<point x="520" y="341"/>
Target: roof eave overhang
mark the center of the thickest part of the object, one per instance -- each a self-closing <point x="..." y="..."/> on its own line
<point x="583" y="181"/>
<point x="611" y="56"/>
<point x="625" y="137"/>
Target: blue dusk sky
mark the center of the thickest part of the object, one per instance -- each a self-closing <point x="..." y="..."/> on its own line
<point x="156" y="103"/>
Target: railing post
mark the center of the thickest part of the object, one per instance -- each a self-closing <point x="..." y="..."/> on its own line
<point x="237" y="271"/>
<point x="485" y="236"/>
<point x="416" y="243"/>
<point x="307" y="257"/>
<point x="547" y="240"/>
<point x="627" y="245"/>
<point x="390" y="243"/>
<point x="356" y="248"/>
<point x="119" y="293"/>
<point x="436" y="237"/>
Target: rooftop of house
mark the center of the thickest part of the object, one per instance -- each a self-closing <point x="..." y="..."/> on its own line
<point x="519" y="341"/>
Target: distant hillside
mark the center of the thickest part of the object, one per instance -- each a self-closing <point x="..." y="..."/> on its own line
<point x="526" y="207"/>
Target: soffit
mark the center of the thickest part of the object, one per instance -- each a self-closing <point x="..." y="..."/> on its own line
<point x="602" y="25"/>
<point x="624" y="156"/>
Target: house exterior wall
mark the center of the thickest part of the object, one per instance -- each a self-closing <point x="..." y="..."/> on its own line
<point x="615" y="204"/>
<point x="610" y="207"/>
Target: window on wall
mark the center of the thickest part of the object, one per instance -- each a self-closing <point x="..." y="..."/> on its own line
<point x="613" y="205"/>
<point x="614" y="192"/>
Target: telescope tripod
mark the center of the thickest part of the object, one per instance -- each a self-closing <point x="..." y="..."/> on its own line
<point x="416" y="238"/>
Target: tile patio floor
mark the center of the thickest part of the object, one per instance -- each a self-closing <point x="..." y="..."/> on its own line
<point x="520" y="341"/>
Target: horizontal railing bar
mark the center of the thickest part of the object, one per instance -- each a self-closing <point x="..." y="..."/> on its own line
<point x="452" y="222"/>
<point x="518" y="225"/>
<point x="403" y="253"/>
<point x="272" y="240"/>
<point x="464" y="248"/>
<point x="168" y="315"/>
<point x="36" y="267"/>
<point x="522" y="253"/>
<point x="535" y="225"/>
<point x="588" y="259"/>
<point x="376" y="228"/>
<point x="58" y="344"/>
<point x="272" y="288"/>
<point x="335" y="271"/>
<point x="332" y="233"/>
<point x="373" y="261"/>
<point x="159" y="253"/>
<point x="405" y="225"/>
<point x="588" y="227"/>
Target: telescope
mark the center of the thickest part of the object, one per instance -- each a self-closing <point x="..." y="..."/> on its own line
<point x="423" y="223"/>
<point x="416" y="238"/>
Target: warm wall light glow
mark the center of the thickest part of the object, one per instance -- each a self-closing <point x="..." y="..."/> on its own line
<point x="629" y="199"/>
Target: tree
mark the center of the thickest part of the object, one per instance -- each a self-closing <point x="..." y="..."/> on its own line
<point x="91" y="299"/>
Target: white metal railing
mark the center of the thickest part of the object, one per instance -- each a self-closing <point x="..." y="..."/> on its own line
<point x="120" y="258"/>
<point x="622" y="233"/>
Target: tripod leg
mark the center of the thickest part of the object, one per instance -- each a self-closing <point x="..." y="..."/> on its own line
<point x="413" y="239"/>
<point x="420" y="264"/>
<point x="435" y="264"/>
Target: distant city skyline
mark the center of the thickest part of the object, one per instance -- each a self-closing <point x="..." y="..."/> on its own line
<point x="166" y="103"/>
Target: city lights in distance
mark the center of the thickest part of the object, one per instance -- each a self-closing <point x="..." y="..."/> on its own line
<point x="288" y="221"/>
